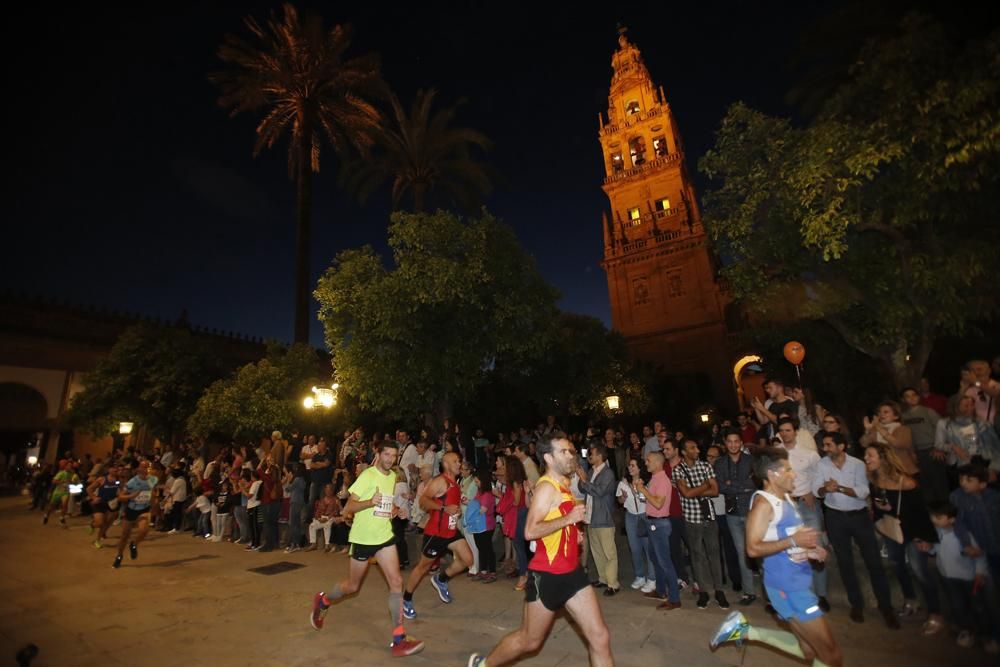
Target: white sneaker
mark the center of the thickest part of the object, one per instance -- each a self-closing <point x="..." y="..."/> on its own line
<point x="649" y="586"/>
<point x="172" y="531"/>
<point x="966" y="639"/>
<point x="638" y="583"/>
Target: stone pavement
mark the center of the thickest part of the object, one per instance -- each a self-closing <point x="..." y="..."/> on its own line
<point x="185" y="601"/>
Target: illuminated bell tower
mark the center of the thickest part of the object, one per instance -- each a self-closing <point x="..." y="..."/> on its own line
<point x="665" y="298"/>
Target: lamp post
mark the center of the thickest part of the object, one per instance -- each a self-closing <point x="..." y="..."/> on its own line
<point x="613" y="402"/>
<point x="124" y="429"/>
<point x="323" y="397"/>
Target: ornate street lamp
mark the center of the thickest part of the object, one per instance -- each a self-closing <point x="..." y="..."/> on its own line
<point x="704" y="417"/>
<point x="323" y="397"/>
<point x="125" y="427"/>
<point x="613" y="402"/>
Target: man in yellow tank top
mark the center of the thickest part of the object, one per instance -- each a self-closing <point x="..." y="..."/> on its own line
<point x="555" y="579"/>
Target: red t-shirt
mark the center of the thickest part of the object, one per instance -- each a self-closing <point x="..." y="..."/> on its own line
<point x="676" y="511"/>
<point x="439" y="522"/>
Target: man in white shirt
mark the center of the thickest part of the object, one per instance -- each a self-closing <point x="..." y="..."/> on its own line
<point x="803" y="462"/>
<point x="410" y="458"/>
<point x="841" y="483"/>
<point x="308" y="451"/>
<point x="426" y="457"/>
<point x="530" y="468"/>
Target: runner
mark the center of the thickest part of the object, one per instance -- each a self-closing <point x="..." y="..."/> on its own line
<point x="555" y="579"/>
<point x="103" y="492"/>
<point x="139" y="494"/>
<point x="441" y="500"/>
<point x="371" y="536"/>
<point x="777" y="534"/>
<point x="60" y="492"/>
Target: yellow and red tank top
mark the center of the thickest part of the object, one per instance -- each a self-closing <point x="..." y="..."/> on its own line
<point x="558" y="552"/>
<point x="439" y="522"/>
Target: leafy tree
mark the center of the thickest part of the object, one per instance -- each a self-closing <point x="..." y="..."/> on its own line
<point x="877" y="216"/>
<point x="152" y="376"/>
<point x="461" y="298"/>
<point x="261" y="396"/>
<point x="423" y="153"/>
<point x="584" y="364"/>
<point x="298" y="72"/>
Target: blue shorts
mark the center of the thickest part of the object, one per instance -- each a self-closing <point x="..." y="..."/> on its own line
<point x="801" y="606"/>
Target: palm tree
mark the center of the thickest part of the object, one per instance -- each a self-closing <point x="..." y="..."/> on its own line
<point x="298" y="73"/>
<point x="422" y="152"/>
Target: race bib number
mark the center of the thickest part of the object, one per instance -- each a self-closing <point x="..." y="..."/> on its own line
<point x="384" y="509"/>
<point x="144" y="497"/>
<point x="452" y="521"/>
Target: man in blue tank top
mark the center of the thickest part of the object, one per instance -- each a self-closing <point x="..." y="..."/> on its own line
<point x="777" y="535"/>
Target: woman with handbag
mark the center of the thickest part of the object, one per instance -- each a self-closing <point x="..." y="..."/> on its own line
<point x="636" y="529"/>
<point x="902" y="519"/>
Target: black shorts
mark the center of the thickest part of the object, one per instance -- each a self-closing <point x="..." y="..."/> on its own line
<point x="435" y="545"/>
<point x="362" y="552"/>
<point x="134" y="515"/>
<point x="554" y="590"/>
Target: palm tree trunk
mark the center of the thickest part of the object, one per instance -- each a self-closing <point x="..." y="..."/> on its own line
<point x="304" y="195"/>
<point x="419" y="198"/>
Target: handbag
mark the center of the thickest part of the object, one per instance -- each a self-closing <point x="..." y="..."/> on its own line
<point x="889" y="526"/>
<point x="641" y="528"/>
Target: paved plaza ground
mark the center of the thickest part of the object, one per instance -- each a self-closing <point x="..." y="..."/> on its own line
<point x="188" y="602"/>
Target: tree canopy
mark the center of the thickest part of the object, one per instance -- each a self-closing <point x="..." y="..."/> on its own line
<point x="153" y="376"/>
<point x="879" y="215"/>
<point x="259" y="397"/>
<point x="460" y="298"/>
<point x="424" y="155"/>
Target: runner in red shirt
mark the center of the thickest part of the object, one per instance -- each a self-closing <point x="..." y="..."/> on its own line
<point x="442" y="501"/>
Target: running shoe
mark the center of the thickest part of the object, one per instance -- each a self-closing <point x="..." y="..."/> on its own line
<point x="318" y="612"/>
<point x="118" y="562"/>
<point x="133" y="551"/>
<point x="409" y="611"/>
<point x="98" y="544"/>
<point x="406" y="646"/>
<point x="442" y="589"/>
<point x="476" y="660"/>
<point x="735" y="628"/>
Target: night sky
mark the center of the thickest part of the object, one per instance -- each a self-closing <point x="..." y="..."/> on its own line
<point x="133" y="190"/>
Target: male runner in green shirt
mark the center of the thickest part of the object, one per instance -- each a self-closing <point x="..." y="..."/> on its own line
<point x="372" y="536"/>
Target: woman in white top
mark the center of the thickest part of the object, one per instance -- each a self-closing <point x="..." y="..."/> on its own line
<point x="635" y="528"/>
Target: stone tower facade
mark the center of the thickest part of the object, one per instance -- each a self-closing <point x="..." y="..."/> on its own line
<point x="665" y="298"/>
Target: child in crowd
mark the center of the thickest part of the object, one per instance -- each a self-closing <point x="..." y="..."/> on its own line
<point x="224" y="501"/>
<point x="203" y="505"/>
<point x="964" y="578"/>
<point x="979" y="517"/>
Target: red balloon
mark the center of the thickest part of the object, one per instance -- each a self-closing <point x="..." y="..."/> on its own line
<point x="795" y="352"/>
